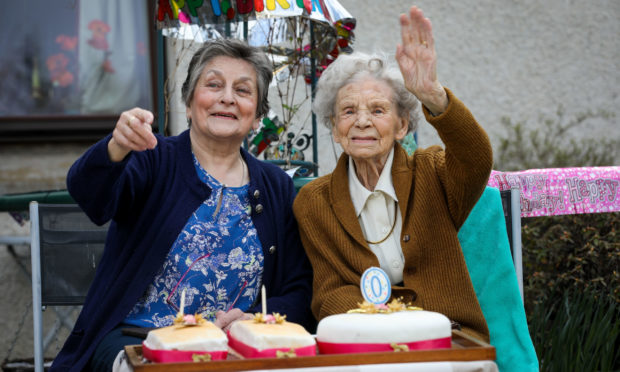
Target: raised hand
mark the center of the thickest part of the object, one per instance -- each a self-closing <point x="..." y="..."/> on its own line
<point x="133" y="132"/>
<point x="417" y="60"/>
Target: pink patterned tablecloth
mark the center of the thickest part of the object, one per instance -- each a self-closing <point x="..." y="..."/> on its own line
<point x="557" y="191"/>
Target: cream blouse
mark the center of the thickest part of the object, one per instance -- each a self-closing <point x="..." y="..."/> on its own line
<point x="376" y="211"/>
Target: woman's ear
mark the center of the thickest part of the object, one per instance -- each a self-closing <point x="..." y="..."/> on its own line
<point x="403" y="128"/>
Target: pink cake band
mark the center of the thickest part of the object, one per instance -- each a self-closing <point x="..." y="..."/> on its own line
<point x="172" y="356"/>
<point x="335" y="348"/>
<point x="250" y="352"/>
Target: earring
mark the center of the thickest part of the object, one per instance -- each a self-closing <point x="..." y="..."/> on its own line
<point x="189" y="122"/>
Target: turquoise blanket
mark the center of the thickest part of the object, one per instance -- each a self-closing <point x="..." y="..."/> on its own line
<point x="485" y="245"/>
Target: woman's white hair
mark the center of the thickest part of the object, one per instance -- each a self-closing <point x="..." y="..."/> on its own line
<point x="348" y="68"/>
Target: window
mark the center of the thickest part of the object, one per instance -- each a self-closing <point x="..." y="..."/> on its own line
<point x="69" y="67"/>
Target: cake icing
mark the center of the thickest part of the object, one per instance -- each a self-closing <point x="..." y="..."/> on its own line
<point x="201" y="337"/>
<point x="270" y="336"/>
<point x="398" y="327"/>
<point x="383" y="327"/>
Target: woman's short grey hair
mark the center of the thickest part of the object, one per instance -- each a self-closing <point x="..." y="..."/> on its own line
<point x="233" y="48"/>
<point x="356" y="66"/>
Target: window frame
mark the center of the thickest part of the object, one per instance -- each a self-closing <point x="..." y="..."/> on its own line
<point x="79" y="127"/>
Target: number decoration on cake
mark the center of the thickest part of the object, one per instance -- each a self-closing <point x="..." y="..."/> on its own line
<point x="375" y="286"/>
<point x="376" y="289"/>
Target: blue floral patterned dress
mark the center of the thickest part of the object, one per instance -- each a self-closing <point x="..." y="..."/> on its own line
<point x="217" y="260"/>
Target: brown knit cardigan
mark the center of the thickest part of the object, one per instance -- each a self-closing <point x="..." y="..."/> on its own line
<point x="436" y="190"/>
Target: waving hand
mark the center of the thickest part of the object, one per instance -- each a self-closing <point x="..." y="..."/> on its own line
<point x="417" y="60"/>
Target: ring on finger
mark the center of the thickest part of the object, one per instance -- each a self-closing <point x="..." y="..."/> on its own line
<point x="129" y="121"/>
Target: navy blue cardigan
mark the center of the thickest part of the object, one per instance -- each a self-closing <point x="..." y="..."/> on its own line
<point x="149" y="197"/>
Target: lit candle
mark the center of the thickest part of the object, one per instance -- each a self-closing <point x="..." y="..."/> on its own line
<point x="264" y="300"/>
<point x="182" y="301"/>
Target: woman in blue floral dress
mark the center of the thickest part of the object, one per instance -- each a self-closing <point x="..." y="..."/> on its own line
<point x="193" y="213"/>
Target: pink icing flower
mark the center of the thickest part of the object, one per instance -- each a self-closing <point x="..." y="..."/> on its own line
<point x="189" y="319"/>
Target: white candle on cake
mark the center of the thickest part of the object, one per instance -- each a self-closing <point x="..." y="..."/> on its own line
<point x="264" y="299"/>
<point x="182" y="302"/>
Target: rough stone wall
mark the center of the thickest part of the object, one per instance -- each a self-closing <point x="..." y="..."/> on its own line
<point x="515" y="58"/>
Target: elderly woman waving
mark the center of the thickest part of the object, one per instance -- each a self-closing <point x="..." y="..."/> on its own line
<point x="381" y="207"/>
<point x="193" y="214"/>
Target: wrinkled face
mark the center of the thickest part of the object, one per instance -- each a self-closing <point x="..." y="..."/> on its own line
<point x="224" y="103"/>
<point x="366" y="121"/>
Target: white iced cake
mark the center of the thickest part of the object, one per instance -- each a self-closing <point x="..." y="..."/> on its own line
<point x="262" y="336"/>
<point x="383" y="330"/>
<point x="201" y="337"/>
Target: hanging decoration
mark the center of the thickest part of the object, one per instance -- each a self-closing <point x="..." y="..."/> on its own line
<point x="333" y="25"/>
<point x="558" y="191"/>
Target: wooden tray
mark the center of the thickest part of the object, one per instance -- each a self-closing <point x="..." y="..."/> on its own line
<point x="464" y="348"/>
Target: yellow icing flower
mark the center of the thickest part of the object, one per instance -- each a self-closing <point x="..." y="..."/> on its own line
<point x="286" y="354"/>
<point x="274" y="318"/>
<point x="279" y="318"/>
<point x="394" y="306"/>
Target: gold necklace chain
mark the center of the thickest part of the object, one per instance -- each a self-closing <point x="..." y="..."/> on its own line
<point x="391" y="230"/>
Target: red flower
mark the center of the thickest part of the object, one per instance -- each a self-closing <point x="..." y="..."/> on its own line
<point x="66" y="42"/>
<point x="64" y="79"/>
<point x="107" y="66"/>
<point x="57" y="66"/>
<point x="141" y="48"/>
<point x="57" y="62"/>
<point x="99" y="29"/>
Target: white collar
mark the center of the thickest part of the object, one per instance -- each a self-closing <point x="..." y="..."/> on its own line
<point x="359" y="193"/>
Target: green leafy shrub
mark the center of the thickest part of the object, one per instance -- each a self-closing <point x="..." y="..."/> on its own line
<point x="573" y="252"/>
<point x="572" y="290"/>
<point x="578" y="331"/>
<point x="555" y="143"/>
